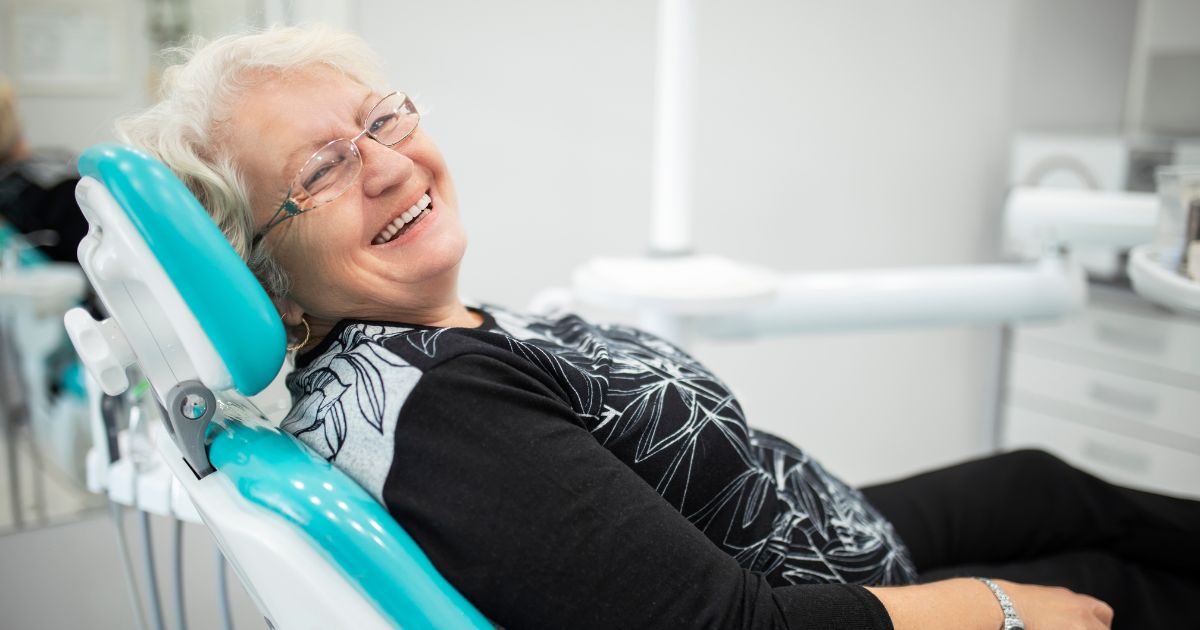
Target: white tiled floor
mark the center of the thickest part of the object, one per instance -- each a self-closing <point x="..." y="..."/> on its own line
<point x="69" y="576"/>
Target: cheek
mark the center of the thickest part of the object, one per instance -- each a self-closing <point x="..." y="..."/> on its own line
<point x="326" y="285"/>
<point x="313" y="254"/>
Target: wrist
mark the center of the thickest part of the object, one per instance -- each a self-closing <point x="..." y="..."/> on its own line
<point x="952" y="604"/>
<point x="1010" y="618"/>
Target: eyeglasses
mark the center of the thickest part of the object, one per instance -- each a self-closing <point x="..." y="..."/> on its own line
<point x="335" y="167"/>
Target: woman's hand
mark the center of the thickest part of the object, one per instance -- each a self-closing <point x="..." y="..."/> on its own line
<point x="1055" y="608"/>
<point x="967" y="604"/>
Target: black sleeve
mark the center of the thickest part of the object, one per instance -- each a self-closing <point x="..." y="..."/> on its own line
<point x="540" y="526"/>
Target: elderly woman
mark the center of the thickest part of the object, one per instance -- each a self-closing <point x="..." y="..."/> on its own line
<point x="564" y="474"/>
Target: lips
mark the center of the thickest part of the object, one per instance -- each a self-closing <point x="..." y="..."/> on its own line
<point x="406" y="220"/>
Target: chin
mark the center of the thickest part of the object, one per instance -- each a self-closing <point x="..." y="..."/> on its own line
<point x="441" y="252"/>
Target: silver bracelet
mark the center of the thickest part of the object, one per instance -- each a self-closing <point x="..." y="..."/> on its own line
<point x="1012" y="621"/>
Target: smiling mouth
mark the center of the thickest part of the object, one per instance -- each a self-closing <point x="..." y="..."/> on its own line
<point x="402" y="223"/>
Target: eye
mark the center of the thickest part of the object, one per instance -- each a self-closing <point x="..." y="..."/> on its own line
<point x="382" y="123"/>
<point x="323" y="176"/>
<point x="314" y="179"/>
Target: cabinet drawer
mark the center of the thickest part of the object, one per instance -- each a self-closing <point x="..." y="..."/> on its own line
<point x="1118" y="459"/>
<point x="1167" y="407"/>
<point x="1164" y="340"/>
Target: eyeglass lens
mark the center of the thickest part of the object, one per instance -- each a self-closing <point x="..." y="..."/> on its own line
<point x="334" y="168"/>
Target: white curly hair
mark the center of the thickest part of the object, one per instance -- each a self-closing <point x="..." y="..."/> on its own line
<point x="196" y="96"/>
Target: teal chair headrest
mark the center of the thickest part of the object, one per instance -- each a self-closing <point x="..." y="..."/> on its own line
<point x="231" y="307"/>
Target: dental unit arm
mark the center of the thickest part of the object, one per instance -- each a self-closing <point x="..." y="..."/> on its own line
<point x="312" y="548"/>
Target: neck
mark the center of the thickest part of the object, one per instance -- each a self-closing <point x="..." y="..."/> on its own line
<point x="449" y="315"/>
<point x="440" y="309"/>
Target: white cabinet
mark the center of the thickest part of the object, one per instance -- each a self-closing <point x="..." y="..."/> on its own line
<point x="1114" y="390"/>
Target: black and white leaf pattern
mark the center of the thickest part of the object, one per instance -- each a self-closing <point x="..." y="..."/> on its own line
<point x="353" y="365"/>
<point x="345" y="402"/>
<point x="761" y="499"/>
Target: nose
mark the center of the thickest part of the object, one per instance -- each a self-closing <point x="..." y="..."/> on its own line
<point x="383" y="167"/>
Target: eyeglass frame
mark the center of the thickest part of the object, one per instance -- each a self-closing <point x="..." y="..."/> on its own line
<point x="289" y="206"/>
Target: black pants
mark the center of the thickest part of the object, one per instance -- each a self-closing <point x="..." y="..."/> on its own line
<point x="1029" y="517"/>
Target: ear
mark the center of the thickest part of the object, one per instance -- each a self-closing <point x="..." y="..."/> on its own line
<point x="290" y="312"/>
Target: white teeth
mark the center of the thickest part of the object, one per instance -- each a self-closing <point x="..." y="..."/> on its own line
<point x="418" y="209"/>
<point x="388" y="232"/>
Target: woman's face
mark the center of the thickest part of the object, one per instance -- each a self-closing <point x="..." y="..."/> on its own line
<point x="333" y="254"/>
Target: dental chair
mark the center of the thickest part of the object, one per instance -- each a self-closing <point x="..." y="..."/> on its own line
<point x="312" y="548"/>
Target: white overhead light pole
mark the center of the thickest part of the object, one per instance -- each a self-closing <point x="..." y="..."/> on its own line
<point x="670" y="228"/>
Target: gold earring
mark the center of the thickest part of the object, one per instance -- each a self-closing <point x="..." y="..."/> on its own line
<point x="307" y="334"/>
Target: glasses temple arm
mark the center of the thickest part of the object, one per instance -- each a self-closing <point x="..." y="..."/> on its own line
<point x="289" y="207"/>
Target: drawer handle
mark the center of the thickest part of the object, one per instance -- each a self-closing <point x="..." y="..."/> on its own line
<point x="1127" y="400"/>
<point x="1139" y="340"/>
<point x="1119" y="458"/>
